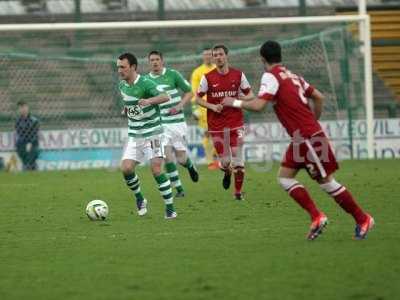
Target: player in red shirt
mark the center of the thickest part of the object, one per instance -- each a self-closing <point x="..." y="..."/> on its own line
<point x="310" y="148"/>
<point x="225" y="124"/>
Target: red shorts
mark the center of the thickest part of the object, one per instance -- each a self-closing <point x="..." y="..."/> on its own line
<point x="314" y="154"/>
<point x="224" y="140"/>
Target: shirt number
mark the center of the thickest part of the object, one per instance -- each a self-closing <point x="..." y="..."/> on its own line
<point x="296" y="81"/>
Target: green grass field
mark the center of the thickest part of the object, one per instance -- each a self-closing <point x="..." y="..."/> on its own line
<point x="217" y="248"/>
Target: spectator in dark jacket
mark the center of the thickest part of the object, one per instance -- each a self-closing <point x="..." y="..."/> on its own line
<point x="27" y="137"/>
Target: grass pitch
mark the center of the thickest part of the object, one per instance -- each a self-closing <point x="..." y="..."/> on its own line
<point x="218" y="248"/>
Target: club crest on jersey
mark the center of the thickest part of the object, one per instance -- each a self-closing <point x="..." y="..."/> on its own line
<point x="134" y="111"/>
<point x="222" y="94"/>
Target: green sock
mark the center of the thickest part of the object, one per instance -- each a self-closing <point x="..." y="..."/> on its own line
<point x="164" y="186"/>
<point x="169" y="207"/>
<point x="173" y="175"/>
<point x="188" y="164"/>
<point x="132" y="181"/>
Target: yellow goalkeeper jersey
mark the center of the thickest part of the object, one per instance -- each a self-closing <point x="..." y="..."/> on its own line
<point x="199" y="111"/>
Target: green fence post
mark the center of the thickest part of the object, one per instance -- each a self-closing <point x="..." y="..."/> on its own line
<point x="78" y="17"/>
<point x="346" y="75"/>
<point x="302" y="8"/>
<point x="161" y="9"/>
<point x="303" y="12"/>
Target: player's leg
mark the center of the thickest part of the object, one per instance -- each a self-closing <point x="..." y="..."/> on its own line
<point x="185" y="161"/>
<point x="209" y="150"/>
<point x="286" y="178"/>
<point x="30" y="155"/>
<point x="133" y="155"/>
<point x="238" y="172"/>
<point x="172" y="170"/>
<point x="164" y="186"/>
<point x="321" y="163"/>
<point x="133" y="183"/>
<point x="35" y="155"/>
<point x="343" y="197"/>
<point x="223" y="149"/>
<point x="180" y="148"/>
<point x="225" y="166"/>
<point x="212" y="162"/>
<point x="21" y="151"/>
<point x="154" y="152"/>
<point x="236" y="142"/>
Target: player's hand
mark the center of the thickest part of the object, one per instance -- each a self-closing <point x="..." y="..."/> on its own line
<point x="28" y="147"/>
<point x="217" y="108"/>
<point x="195" y="116"/>
<point x="124" y="112"/>
<point x="174" y="110"/>
<point x="144" y="102"/>
<point x="196" y="113"/>
<point x="228" y="101"/>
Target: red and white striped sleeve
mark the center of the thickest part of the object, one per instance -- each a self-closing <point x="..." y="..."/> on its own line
<point x="269" y="87"/>
<point x="244" y="85"/>
<point x="203" y="87"/>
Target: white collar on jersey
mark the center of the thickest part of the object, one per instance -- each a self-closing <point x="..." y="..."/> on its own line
<point x="156" y="75"/>
<point x="136" y="80"/>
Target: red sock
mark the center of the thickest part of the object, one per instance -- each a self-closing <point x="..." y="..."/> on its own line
<point x="347" y="202"/>
<point x="301" y="196"/>
<point x="238" y="173"/>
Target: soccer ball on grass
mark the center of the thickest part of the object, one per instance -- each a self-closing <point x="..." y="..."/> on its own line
<point x="97" y="210"/>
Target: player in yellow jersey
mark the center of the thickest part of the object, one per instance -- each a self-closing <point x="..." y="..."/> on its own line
<point x="199" y="112"/>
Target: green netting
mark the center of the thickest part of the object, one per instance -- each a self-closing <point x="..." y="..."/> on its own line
<point x="69" y="77"/>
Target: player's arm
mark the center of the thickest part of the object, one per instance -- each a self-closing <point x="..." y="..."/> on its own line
<point x="35" y="130"/>
<point x="156" y="95"/>
<point x="203" y="88"/>
<point x="185" y="100"/>
<point x="214" y="107"/>
<point x="185" y="87"/>
<point x="245" y="91"/>
<point x="318" y="100"/>
<point x="161" y="98"/>
<point x="255" y="104"/>
<point x="248" y="97"/>
<point x="268" y="88"/>
<point x="195" y="83"/>
<point x="316" y="96"/>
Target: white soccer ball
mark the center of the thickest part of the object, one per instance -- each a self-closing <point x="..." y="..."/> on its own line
<point x="97" y="210"/>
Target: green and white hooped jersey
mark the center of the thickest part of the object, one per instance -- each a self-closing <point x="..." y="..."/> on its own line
<point x="170" y="81"/>
<point x="142" y="121"/>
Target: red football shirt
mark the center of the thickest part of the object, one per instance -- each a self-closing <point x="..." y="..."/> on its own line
<point x="290" y="92"/>
<point x="217" y="86"/>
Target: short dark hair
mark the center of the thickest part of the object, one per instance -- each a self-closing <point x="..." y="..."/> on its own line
<point x="271" y="52"/>
<point x="221" y="46"/>
<point x="21" y="103"/>
<point x="155" y="52"/>
<point x="130" y="57"/>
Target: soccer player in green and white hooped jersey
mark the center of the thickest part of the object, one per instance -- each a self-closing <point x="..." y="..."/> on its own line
<point x="141" y="98"/>
<point x="173" y="119"/>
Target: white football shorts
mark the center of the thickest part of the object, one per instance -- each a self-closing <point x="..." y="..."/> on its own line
<point x="175" y="135"/>
<point x="144" y="149"/>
